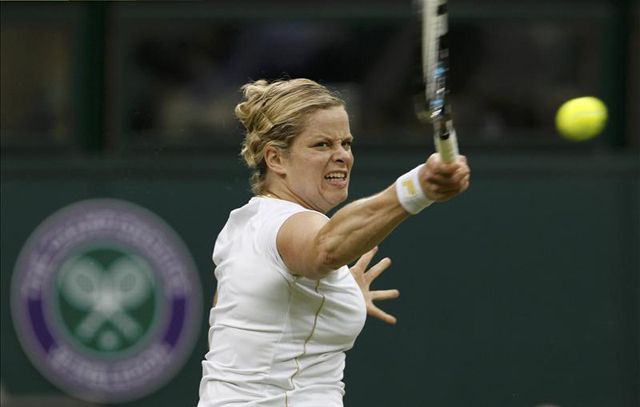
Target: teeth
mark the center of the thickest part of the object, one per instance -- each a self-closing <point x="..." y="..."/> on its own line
<point x="336" y="175"/>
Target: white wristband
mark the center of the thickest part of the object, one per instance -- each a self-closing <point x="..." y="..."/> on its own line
<point x="410" y="193"/>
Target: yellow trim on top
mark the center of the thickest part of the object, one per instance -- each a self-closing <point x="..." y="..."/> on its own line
<point x="313" y="329"/>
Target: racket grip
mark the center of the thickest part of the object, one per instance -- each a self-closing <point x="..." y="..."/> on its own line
<point x="447" y="146"/>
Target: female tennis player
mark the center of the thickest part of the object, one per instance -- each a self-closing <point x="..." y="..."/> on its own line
<point x="287" y="306"/>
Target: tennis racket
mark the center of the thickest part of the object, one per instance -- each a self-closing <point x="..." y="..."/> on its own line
<point x="435" y="70"/>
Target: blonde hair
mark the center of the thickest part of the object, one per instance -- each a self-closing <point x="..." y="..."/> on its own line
<point x="275" y="114"/>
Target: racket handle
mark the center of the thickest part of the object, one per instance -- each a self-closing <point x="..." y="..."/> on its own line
<point x="446" y="143"/>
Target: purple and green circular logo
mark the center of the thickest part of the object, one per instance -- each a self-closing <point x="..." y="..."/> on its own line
<point x="106" y="300"/>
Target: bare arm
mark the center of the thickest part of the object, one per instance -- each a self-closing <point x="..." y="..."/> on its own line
<point x="313" y="246"/>
<point x="359" y="227"/>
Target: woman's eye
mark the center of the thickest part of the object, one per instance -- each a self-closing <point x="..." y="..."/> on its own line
<point x="322" y="144"/>
<point x="347" y="144"/>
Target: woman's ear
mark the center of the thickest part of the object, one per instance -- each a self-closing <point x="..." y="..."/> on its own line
<point x="274" y="159"/>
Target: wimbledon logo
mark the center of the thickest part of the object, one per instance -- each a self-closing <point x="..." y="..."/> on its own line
<point x="106" y="300"/>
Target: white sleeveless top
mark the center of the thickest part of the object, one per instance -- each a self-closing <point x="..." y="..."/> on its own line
<point x="275" y="339"/>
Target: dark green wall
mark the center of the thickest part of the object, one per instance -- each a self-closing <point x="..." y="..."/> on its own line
<point x="522" y="291"/>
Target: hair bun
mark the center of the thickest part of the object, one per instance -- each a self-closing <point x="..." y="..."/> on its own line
<point x="250" y="108"/>
<point x="255" y="90"/>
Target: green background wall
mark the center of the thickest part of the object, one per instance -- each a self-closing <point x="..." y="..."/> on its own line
<point x="522" y="291"/>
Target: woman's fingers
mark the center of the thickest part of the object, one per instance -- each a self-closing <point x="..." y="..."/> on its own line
<point x="378" y="268"/>
<point x="365" y="259"/>
<point x="376" y="312"/>
<point x="440" y="186"/>
<point x="448" y="178"/>
<point x="384" y="295"/>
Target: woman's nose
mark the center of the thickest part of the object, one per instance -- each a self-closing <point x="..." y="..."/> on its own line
<point x="342" y="154"/>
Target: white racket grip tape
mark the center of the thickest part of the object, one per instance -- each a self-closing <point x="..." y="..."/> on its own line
<point x="410" y="193"/>
<point x="447" y="148"/>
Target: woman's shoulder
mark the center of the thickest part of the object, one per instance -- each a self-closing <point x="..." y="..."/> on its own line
<point x="276" y="206"/>
<point x="264" y="209"/>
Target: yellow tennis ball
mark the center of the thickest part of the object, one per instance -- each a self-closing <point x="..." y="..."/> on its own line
<point x="581" y="118"/>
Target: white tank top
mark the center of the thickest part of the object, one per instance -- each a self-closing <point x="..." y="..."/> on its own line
<point x="275" y="339"/>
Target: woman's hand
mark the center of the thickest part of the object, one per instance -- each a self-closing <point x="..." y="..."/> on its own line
<point x="364" y="280"/>
<point x="442" y="181"/>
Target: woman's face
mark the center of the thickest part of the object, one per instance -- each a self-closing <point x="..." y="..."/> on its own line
<point x="318" y="163"/>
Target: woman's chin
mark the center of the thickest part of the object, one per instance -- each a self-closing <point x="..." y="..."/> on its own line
<point x="338" y="197"/>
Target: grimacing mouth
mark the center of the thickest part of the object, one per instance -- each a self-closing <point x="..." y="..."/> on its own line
<point x="339" y="175"/>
